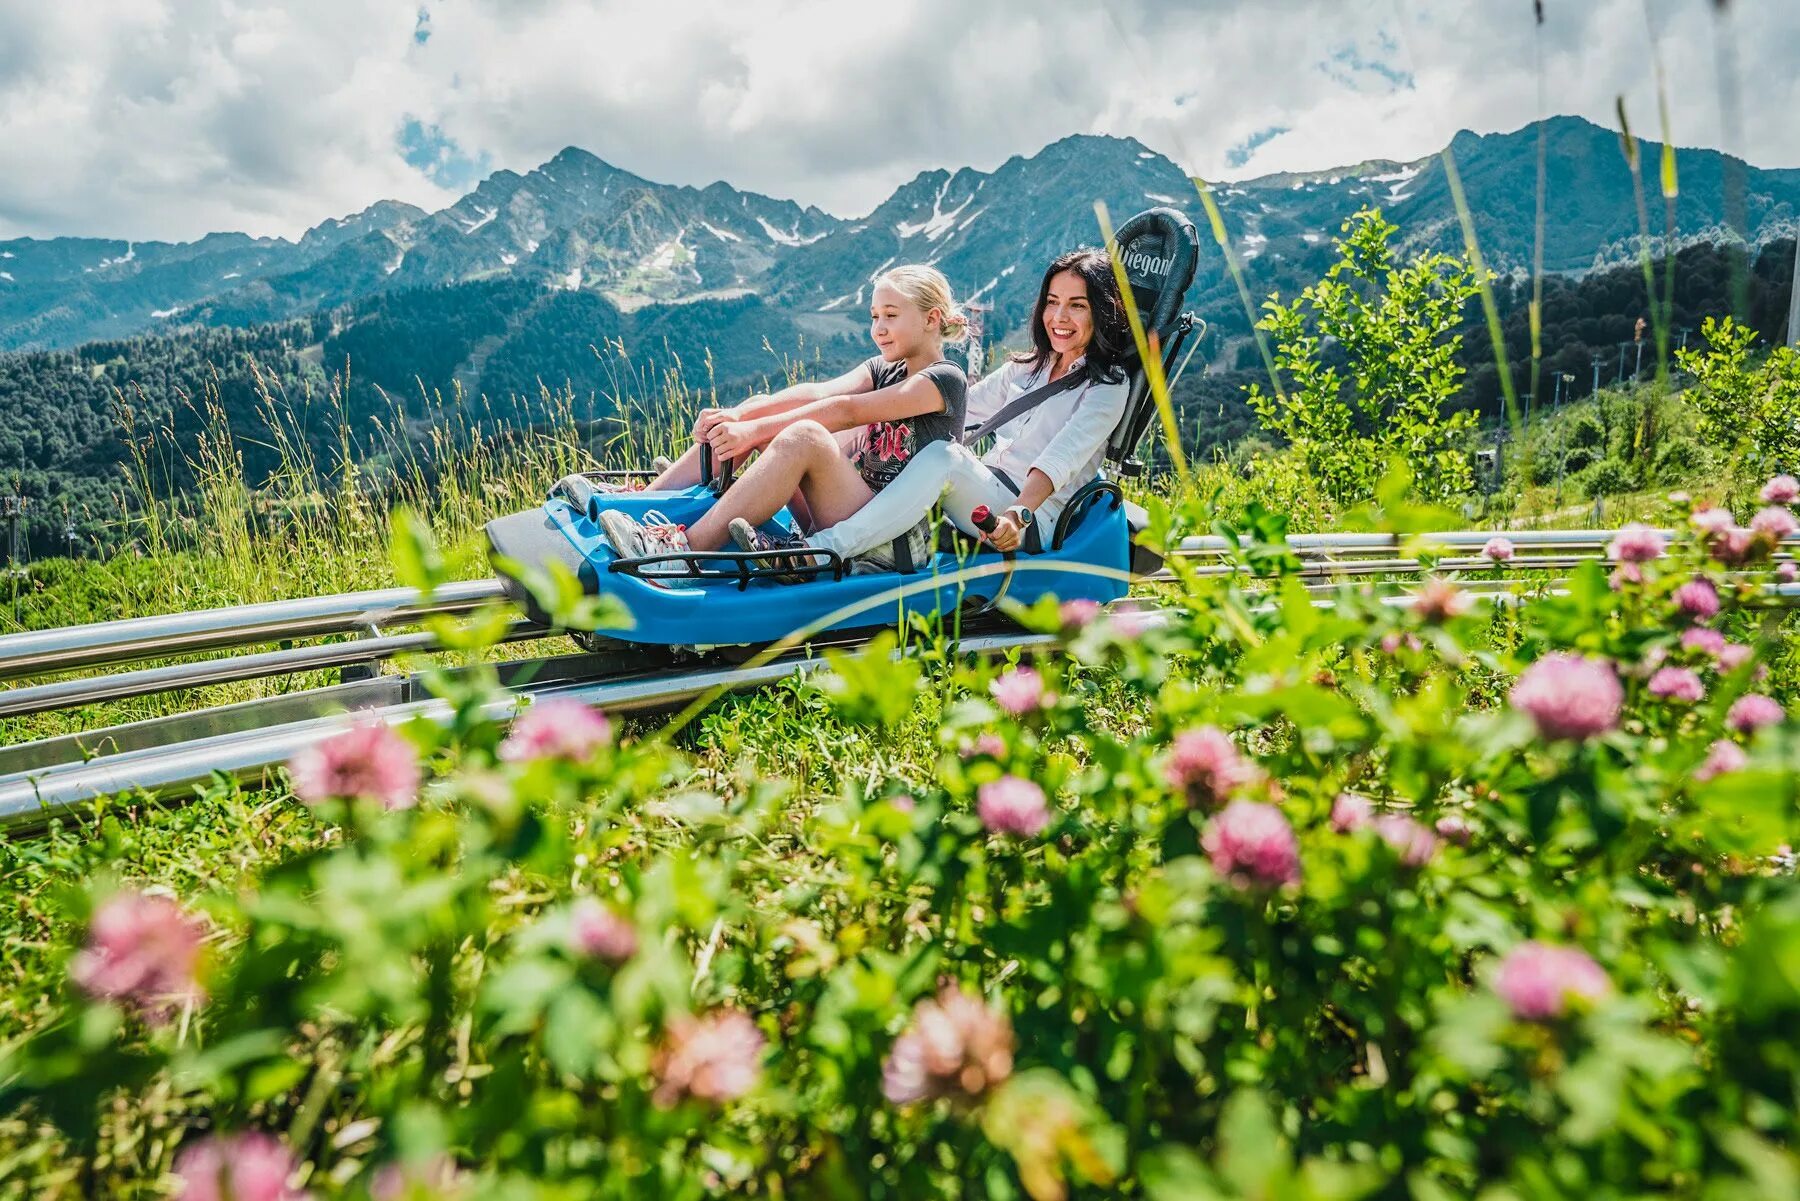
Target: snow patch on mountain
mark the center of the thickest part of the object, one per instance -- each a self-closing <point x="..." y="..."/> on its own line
<point x="789" y="237"/>
<point x="159" y="314"/>
<point x="1400" y="176"/>
<point x="724" y="235"/>
<point x="486" y="216"/>
<point x="664" y="256"/>
<point x="940" y="222"/>
<point x="1399" y="179"/>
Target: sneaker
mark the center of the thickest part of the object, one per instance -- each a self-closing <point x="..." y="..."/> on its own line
<point x="748" y="537"/>
<point x="611" y="489"/>
<point x="920" y="543"/>
<point x="654" y="535"/>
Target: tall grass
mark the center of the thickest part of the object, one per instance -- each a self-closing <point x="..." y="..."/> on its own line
<point x="198" y="534"/>
<point x="317" y="522"/>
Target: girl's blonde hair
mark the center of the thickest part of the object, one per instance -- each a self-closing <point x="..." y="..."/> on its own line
<point x="927" y="288"/>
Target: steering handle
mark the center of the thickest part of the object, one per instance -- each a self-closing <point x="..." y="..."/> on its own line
<point x="722" y="481"/>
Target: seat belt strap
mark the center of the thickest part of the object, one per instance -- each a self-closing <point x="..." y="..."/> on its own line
<point x="1026" y="403"/>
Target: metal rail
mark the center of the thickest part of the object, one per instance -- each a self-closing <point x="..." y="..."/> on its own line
<point x="1324" y="557"/>
<point x="41" y="652"/>
<point x="1346" y="543"/>
<point x="88" y="690"/>
<point x="165" y="762"/>
<point x="111" y="643"/>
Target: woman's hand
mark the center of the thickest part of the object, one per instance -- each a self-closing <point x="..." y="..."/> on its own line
<point x="1006" y="535"/>
<point x="711" y="419"/>
<point x="732" y="439"/>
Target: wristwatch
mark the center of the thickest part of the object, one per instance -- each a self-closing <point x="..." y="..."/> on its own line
<point x="1022" y="515"/>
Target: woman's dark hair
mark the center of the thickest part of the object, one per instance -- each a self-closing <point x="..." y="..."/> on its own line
<point x="1111" y="347"/>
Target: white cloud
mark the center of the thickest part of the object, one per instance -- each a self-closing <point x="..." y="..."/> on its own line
<point x="171" y="118"/>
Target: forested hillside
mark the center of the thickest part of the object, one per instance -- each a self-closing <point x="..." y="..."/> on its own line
<point x="388" y="368"/>
<point x="69" y="419"/>
<point x="1593" y="314"/>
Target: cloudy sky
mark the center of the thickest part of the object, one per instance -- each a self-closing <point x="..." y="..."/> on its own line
<point x="172" y="118"/>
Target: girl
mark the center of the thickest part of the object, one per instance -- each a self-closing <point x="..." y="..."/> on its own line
<point x="905" y="398"/>
<point x="1041" y="457"/>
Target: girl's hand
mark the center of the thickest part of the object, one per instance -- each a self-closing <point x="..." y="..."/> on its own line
<point x="711" y="419"/>
<point x="733" y="439"/>
<point x="1006" y="535"/>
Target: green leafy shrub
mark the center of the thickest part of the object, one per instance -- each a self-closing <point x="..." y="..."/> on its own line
<point x="1678" y="457"/>
<point x="1369" y="353"/>
<point x="1609" y="477"/>
<point x="1586" y="433"/>
<point x="1580" y="458"/>
<point x="1750" y="412"/>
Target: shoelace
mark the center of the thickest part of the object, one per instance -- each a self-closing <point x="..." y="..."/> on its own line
<point x="778" y="541"/>
<point x="664" y="534"/>
<point x="793" y="565"/>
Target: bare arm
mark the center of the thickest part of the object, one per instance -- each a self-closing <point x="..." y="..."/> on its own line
<point x="857" y="379"/>
<point x="854" y="381"/>
<point x="909" y="398"/>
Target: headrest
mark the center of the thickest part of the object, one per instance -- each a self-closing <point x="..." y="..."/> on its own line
<point x="1160" y="249"/>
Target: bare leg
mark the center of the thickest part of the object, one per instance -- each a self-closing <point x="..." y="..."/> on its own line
<point x="802" y="511"/>
<point x="804" y="456"/>
<point x="684" y="474"/>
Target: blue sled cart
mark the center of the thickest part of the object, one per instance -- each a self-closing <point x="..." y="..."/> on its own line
<point x="732" y="597"/>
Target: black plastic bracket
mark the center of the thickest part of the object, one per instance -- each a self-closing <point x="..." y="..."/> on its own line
<point x="1079" y="504"/>
<point x="749" y="564"/>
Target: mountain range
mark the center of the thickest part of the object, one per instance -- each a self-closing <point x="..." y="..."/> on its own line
<point x="579" y="224"/>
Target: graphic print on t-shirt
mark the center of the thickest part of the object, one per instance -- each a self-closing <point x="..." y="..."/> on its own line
<point x="885" y="452"/>
<point x="888" y="446"/>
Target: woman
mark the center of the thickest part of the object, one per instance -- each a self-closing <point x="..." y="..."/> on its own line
<point x="905" y="398"/>
<point x="1041" y="457"/>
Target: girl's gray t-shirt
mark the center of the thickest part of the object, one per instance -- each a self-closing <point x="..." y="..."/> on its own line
<point x="888" y="446"/>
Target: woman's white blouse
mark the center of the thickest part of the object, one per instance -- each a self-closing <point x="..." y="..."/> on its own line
<point x="1065" y="437"/>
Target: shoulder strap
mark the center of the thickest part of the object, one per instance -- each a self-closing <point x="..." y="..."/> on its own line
<point x="1026" y="403"/>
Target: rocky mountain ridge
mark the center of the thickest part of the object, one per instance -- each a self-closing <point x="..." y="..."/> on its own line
<point x="581" y="224"/>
